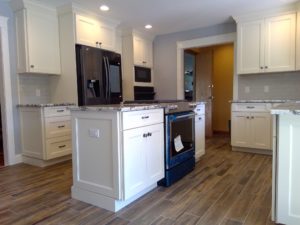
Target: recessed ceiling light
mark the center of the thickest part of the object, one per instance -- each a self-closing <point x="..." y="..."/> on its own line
<point x="148" y="26"/>
<point x="104" y="8"/>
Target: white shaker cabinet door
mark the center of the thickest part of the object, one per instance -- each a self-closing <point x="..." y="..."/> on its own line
<point x="134" y="161"/>
<point x="250" y="57"/>
<point x="261" y="130"/>
<point x="240" y="126"/>
<point x="86" y="31"/>
<point x="280" y="42"/>
<point x="155" y="153"/>
<point x="288" y="170"/>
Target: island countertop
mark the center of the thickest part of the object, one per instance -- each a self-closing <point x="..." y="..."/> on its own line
<point x="289" y="107"/>
<point x="116" y="107"/>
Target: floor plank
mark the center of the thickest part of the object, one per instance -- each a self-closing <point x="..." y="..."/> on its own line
<point x="226" y="188"/>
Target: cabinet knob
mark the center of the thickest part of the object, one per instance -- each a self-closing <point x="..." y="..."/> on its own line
<point x="97" y="42"/>
<point x="252" y="117"/>
<point x="31" y="66"/>
<point x="144" y="62"/>
<point x="261" y="67"/>
<point x="200" y="118"/>
<point x="266" y="67"/>
<point x="248" y="117"/>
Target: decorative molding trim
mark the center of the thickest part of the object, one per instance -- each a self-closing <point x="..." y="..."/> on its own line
<point x="204" y="42"/>
<point x="6" y="96"/>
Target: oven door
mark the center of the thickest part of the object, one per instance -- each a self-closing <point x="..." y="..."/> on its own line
<point x="180" y="138"/>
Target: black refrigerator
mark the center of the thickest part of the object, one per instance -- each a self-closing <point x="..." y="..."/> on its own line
<point x="99" y="76"/>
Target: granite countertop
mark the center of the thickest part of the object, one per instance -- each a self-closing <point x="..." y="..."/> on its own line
<point x="260" y="101"/>
<point x="116" y="107"/>
<point x="288" y="107"/>
<point x="46" y="105"/>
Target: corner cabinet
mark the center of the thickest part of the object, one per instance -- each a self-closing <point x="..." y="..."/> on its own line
<point x="37" y="39"/>
<point x="126" y="149"/>
<point x="267" y="45"/>
<point x="142" y="51"/>
<point x="95" y="33"/>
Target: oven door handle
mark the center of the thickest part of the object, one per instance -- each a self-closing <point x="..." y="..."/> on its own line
<point x="186" y="116"/>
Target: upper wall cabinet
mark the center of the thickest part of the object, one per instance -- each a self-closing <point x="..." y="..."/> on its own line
<point x="267" y="45"/>
<point x="95" y="33"/>
<point x="142" y="51"/>
<point x="37" y="39"/>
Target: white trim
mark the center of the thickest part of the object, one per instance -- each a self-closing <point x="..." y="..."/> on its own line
<point x="204" y="42"/>
<point x="18" y="158"/>
<point x="6" y="97"/>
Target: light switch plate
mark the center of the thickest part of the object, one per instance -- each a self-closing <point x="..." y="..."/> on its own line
<point x="94" y="133"/>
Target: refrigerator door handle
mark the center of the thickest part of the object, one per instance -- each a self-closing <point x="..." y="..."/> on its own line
<point x="108" y="70"/>
<point x="106" y="77"/>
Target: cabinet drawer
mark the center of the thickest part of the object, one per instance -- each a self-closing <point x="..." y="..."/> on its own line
<point x="56" y="111"/>
<point x="200" y="110"/>
<point x="142" y="118"/>
<point x="251" y="107"/>
<point x="58" y="126"/>
<point x="58" y="147"/>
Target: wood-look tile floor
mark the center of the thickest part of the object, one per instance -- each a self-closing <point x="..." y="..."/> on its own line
<point x="226" y="188"/>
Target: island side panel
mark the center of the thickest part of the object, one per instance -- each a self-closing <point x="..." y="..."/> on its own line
<point x="96" y="152"/>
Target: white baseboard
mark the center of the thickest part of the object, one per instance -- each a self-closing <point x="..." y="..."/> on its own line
<point x="18" y="159"/>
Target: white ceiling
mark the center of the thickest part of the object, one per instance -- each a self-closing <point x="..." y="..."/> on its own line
<point x="168" y="16"/>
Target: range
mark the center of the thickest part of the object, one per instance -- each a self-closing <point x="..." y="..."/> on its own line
<point x="179" y="138"/>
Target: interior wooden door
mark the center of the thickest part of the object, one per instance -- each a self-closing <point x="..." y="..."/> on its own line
<point x="204" y="63"/>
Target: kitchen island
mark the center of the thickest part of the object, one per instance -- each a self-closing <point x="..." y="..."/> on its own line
<point x="286" y="168"/>
<point x="118" y="153"/>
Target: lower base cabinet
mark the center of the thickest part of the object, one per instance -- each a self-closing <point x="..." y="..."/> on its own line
<point x="117" y="156"/>
<point x="45" y="135"/>
<point x="251" y="130"/>
<point x="143" y="161"/>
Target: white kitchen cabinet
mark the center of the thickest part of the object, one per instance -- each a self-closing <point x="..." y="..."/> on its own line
<point x="199" y="131"/>
<point x="267" y="45"/>
<point x="287" y="169"/>
<point x="251" y="126"/>
<point x="37" y="39"/>
<point x="142" y="51"/>
<point x="251" y="130"/>
<point x="143" y="161"/>
<point x="95" y="33"/>
<point x="128" y="160"/>
<point x="45" y="135"/>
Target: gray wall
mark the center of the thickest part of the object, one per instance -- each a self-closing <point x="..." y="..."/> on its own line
<point x="6" y="11"/>
<point x="165" y="56"/>
<point x="280" y="85"/>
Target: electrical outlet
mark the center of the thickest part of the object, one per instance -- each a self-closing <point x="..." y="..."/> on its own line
<point x="247" y="89"/>
<point x="38" y="92"/>
<point x="94" y="133"/>
<point x="266" y="89"/>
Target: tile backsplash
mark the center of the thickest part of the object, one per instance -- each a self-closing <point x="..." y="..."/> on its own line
<point x="269" y="86"/>
<point x="34" y="89"/>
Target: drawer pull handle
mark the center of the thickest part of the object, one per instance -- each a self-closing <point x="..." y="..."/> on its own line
<point x="60" y="110"/>
<point x="62" y="126"/>
<point x="145" y="117"/>
<point x="147" y="135"/>
<point x="250" y="107"/>
<point x="62" y="146"/>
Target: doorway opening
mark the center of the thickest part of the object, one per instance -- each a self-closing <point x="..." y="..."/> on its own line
<point x="208" y="76"/>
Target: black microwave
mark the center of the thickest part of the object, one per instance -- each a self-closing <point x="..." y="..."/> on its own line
<point x="142" y="74"/>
